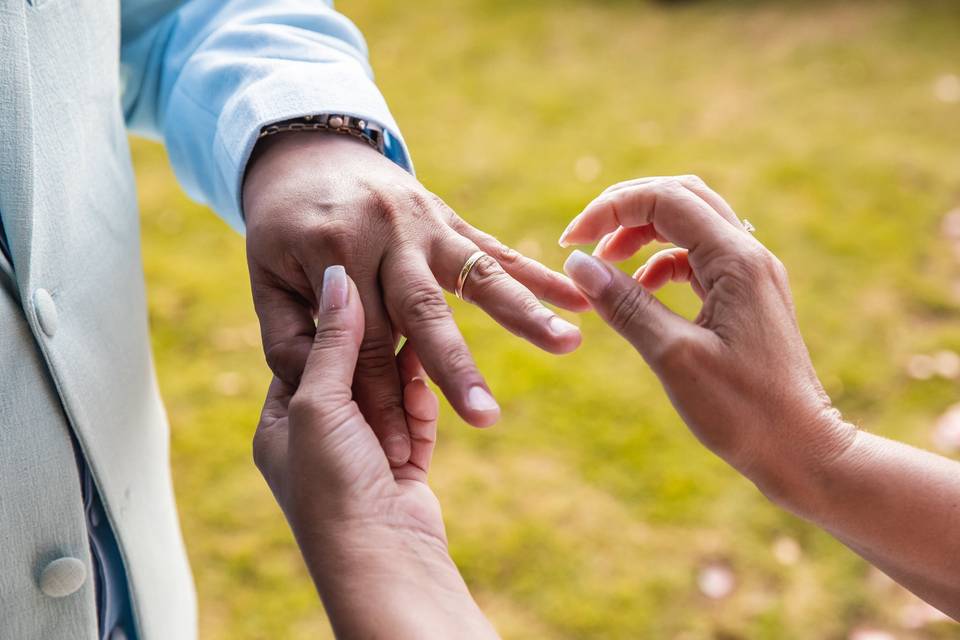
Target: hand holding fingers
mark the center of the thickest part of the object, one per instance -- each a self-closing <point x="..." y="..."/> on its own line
<point x="376" y="383"/>
<point x="329" y="440"/>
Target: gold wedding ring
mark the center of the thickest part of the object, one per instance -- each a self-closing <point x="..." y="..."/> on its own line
<point x="465" y="272"/>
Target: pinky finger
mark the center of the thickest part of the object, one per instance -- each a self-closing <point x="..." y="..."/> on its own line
<point x="422" y="410"/>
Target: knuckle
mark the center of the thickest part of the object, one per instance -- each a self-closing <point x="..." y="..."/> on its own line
<point x="777" y="268"/>
<point x="628" y="306"/>
<point x="332" y="336"/>
<point x="401" y="204"/>
<point x="458" y="362"/>
<point x="486" y="274"/>
<point x="424" y="303"/>
<point x="329" y="231"/>
<point x="693" y="180"/>
<point x="375" y="358"/>
<point x="748" y="262"/>
<point x="530" y="306"/>
<point x="506" y="256"/>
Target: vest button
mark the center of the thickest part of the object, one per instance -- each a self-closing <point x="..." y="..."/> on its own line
<point x="63" y="577"/>
<point x="46" y="310"/>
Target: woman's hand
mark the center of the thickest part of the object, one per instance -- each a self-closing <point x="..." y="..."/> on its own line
<point x="742" y="380"/>
<point x="372" y="536"/>
<point x="740" y="375"/>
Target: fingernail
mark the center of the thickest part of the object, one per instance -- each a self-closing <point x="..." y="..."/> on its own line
<point x="335" y="288"/>
<point x="589" y="273"/>
<point x="560" y="327"/>
<point x="479" y="399"/>
<point x="604" y="241"/>
<point x="397" y="449"/>
<point x="563" y="236"/>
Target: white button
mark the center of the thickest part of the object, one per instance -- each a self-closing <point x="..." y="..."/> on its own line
<point x="118" y="634"/>
<point x="62" y="577"/>
<point x="46" y="310"/>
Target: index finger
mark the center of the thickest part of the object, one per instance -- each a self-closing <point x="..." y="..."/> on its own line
<point x="676" y="213"/>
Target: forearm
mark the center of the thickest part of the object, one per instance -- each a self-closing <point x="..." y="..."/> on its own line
<point x="395" y="589"/>
<point x="895" y="505"/>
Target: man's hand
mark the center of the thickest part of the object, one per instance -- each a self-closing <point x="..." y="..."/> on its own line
<point x="316" y="199"/>
<point x="372" y="537"/>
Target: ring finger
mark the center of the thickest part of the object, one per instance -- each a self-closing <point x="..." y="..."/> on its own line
<point x="507" y="301"/>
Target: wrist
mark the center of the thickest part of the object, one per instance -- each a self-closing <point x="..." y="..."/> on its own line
<point x="385" y="584"/>
<point x="297" y="159"/>
<point x="795" y="472"/>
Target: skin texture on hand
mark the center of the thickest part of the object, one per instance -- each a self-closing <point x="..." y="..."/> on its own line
<point x="316" y="199"/>
<point x="742" y="380"/>
<point x="372" y="536"/>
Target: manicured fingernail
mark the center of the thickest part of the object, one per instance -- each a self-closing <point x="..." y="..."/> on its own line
<point x="397" y="448"/>
<point x="335" y="288"/>
<point x="560" y="327"/>
<point x="479" y="399"/>
<point x="589" y="273"/>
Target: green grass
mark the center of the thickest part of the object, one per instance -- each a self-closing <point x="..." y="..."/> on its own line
<point x="587" y="512"/>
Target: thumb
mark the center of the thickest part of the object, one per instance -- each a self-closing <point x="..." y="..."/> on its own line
<point x="629" y="308"/>
<point x="325" y="389"/>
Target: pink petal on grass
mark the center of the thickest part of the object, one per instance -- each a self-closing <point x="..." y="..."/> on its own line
<point x="950" y="225"/>
<point x="870" y="633"/>
<point x="947" y="364"/>
<point x="920" y="366"/>
<point x="716" y="580"/>
<point x="787" y="551"/>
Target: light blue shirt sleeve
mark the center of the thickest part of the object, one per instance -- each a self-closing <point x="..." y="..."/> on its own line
<point x="209" y="75"/>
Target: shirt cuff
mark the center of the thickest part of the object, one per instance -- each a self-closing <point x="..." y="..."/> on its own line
<point x="340" y="87"/>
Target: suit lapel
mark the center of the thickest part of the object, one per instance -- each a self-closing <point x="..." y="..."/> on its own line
<point x="16" y="136"/>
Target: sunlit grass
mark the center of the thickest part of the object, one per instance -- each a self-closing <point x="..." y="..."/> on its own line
<point x="588" y="511"/>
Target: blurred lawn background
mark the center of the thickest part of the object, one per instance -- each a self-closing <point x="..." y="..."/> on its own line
<point x="590" y="512"/>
